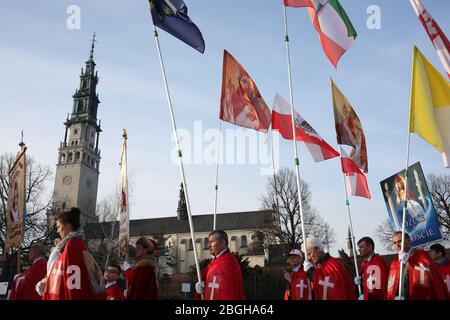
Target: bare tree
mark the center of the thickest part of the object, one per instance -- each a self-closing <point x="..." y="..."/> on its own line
<point x="282" y="198"/>
<point x="384" y="233"/>
<point x="36" y="204"/>
<point x="440" y="194"/>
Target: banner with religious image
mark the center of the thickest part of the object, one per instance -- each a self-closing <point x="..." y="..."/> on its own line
<point x="16" y="203"/>
<point x="421" y="222"/>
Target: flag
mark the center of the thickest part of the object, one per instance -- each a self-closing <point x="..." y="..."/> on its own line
<point x="172" y="17"/>
<point x="334" y="27"/>
<point x="124" y="227"/>
<point x="430" y="105"/>
<point x="16" y="202"/>
<point x="437" y="37"/>
<point x="355" y="180"/>
<point x="282" y="122"/>
<point x="348" y="128"/>
<point x="241" y="103"/>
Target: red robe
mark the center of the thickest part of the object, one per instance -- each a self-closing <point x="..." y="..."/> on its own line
<point x="424" y="281"/>
<point x="113" y="292"/>
<point x="299" y="285"/>
<point x="34" y="274"/>
<point x="17" y="292"/>
<point x="74" y="275"/>
<point x="374" y="278"/>
<point x="331" y="281"/>
<point x="223" y="279"/>
<point x="142" y="279"/>
<point x="444" y="272"/>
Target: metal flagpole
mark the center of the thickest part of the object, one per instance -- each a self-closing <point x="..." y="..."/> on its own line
<point x="297" y="163"/>
<point x="125" y="138"/>
<point x="216" y="186"/>
<point x="275" y="184"/>
<point x="180" y="160"/>
<point x="347" y="203"/>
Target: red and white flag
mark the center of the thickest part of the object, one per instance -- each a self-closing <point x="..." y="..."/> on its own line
<point x="355" y="180"/>
<point x="282" y="122"/>
<point x="334" y="27"/>
<point x="124" y="226"/>
<point x="437" y="37"/>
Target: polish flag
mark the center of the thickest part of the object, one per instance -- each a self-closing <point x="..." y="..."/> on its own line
<point x="355" y="180"/>
<point x="282" y="122"/>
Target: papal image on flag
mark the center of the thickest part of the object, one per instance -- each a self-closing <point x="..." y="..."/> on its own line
<point x="241" y="103"/>
<point x="16" y="203"/>
<point x="124" y="221"/>
<point x="422" y="223"/>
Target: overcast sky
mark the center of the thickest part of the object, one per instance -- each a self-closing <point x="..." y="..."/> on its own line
<point x="41" y="58"/>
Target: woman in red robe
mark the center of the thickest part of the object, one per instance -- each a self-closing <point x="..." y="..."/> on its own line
<point x="72" y="273"/>
<point x="142" y="276"/>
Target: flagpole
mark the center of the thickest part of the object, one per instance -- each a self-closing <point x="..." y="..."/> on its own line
<point x="297" y="163"/>
<point x="275" y="184"/>
<point x="347" y="203"/>
<point x="216" y="186"/>
<point x="180" y="160"/>
<point x="405" y="197"/>
<point x="125" y="138"/>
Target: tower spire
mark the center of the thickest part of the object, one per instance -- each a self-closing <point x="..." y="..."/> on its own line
<point x="92" y="47"/>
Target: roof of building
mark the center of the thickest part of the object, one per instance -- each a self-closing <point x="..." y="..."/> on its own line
<point x="171" y="225"/>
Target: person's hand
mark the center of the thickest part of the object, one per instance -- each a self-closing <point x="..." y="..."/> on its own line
<point x="399" y="298"/>
<point x="40" y="286"/>
<point x="357" y="281"/>
<point x="126" y="265"/>
<point x="403" y="257"/>
<point x="361" y="297"/>
<point x="287" y="276"/>
<point x="200" y="287"/>
<point x="307" y="265"/>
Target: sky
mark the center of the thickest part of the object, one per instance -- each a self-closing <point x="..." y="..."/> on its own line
<point x="41" y="58"/>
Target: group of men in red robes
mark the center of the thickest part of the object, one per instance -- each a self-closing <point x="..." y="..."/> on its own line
<point x="425" y="276"/>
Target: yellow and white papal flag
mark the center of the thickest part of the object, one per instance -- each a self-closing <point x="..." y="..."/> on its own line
<point x="124" y="225"/>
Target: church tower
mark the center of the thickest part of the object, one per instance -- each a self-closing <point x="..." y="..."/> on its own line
<point x="77" y="169"/>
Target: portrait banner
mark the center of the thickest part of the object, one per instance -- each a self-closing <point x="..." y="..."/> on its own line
<point x="16" y="203"/>
<point x="421" y="222"/>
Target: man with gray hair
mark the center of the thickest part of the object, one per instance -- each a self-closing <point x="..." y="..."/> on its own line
<point x="330" y="279"/>
<point x="222" y="278"/>
<point x="35" y="273"/>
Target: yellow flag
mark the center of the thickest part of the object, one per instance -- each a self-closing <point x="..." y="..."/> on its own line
<point x="430" y="105"/>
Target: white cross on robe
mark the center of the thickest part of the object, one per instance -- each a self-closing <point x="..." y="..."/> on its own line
<point x="326" y="284"/>
<point x="56" y="274"/>
<point x="213" y="285"/>
<point x="301" y="285"/>
<point x="422" y="270"/>
<point x="447" y="282"/>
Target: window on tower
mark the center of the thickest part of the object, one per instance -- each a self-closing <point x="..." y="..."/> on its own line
<point x="70" y="157"/>
<point x="63" y="157"/>
<point x="77" y="156"/>
<point x="80" y="106"/>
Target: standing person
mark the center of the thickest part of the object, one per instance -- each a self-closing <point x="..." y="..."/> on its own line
<point x="112" y="274"/>
<point x="330" y="279"/>
<point x="72" y="273"/>
<point x="222" y="278"/>
<point x="437" y="254"/>
<point x="36" y="271"/>
<point x="297" y="278"/>
<point x="16" y="292"/>
<point x="142" y="276"/>
<point x="420" y="279"/>
<point x="373" y="271"/>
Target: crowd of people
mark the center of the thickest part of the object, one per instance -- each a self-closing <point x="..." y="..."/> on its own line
<point x="71" y="272"/>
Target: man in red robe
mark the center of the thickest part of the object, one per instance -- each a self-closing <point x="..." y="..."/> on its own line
<point x="298" y="281"/>
<point x="35" y="273"/>
<point x="330" y="279"/>
<point x="142" y="276"/>
<point x="373" y="271"/>
<point x="438" y="255"/>
<point x="16" y="292"/>
<point x="421" y="281"/>
<point x="222" y="278"/>
<point x="113" y="291"/>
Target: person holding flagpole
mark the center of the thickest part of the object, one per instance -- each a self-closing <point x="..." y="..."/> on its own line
<point x="297" y="278"/>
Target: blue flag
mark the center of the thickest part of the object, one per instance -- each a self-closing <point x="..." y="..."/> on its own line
<point x="171" y="16"/>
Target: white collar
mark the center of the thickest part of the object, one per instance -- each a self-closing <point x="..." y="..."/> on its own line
<point x="370" y="257"/>
<point x="295" y="269"/>
<point x="221" y="253"/>
<point x="110" y="284"/>
<point x="36" y="260"/>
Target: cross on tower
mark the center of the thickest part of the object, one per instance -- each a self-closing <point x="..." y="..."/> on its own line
<point x="422" y="270"/>
<point x="326" y="284"/>
<point x="213" y="285"/>
<point x="301" y="285"/>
